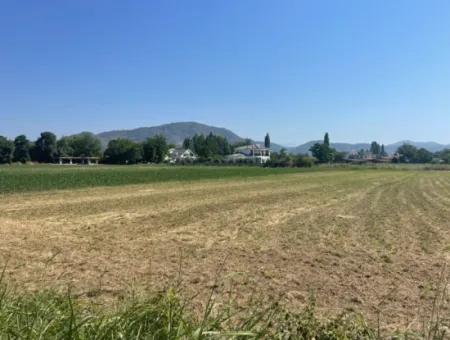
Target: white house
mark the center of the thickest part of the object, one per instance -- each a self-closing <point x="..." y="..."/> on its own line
<point x="179" y="155"/>
<point x="255" y="153"/>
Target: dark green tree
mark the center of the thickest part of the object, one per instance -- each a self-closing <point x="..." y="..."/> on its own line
<point x="339" y="157"/>
<point x="199" y="146"/>
<point x="317" y="152"/>
<point x="45" y="150"/>
<point x="322" y="152"/>
<point x="211" y="146"/>
<point x="85" y="144"/>
<point x="6" y="150"/>
<point x="407" y="153"/>
<point x="383" y="151"/>
<point x="423" y="156"/>
<point x="375" y="149"/>
<point x="123" y="151"/>
<point x="187" y="143"/>
<point x="410" y="154"/>
<point x="64" y="148"/>
<point x="280" y="159"/>
<point x="267" y="141"/>
<point x="326" y="140"/>
<point x="155" y="149"/>
<point x="445" y="156"/>
<point x="21" y="149"/>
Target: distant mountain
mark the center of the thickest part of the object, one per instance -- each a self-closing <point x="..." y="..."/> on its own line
<point x="430" y="146"/>
<point x="175" y="133"/>
<point x="342" y="147"/>
<point x="349" y="147"/>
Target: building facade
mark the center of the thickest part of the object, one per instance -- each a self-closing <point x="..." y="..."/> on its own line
<point x="251" y="153"/>
<point x="177" y="155"/>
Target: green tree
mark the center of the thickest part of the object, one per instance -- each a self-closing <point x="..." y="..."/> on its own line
<point x="21" y="149"/>
<point x="211" y="146"/>
<point x="326" y="140"/>
<point x="85" y="144"/>
<point x="322" y="152"/>
<point x="383" y="151"/>
<point x="199" y="146"/>
<point x="224" y="146"/>
<point x="408" y="153"/>
<point x="423" y="156"/>
<point x="339" y="157"/>
<point x="64" y="148"/>
<point x="280" y="159"/>
<point x="217" y="145"/>
<point x="155" y="149"/>
<point x="45" y="150"/>
<point x="375" y="149"/>
<point x="267" y="141"/>
<point x="6" y="150"/>
<point x="187" y="143"/>
<point x="445" y="156"/>
<point x="123" y="151"/>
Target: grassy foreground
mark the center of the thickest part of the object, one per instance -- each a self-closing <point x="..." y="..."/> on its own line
<point x="48" y="315"/>
<point x="54" y="177"/>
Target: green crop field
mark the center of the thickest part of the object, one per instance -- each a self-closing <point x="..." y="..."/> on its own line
<point x="54" y="177"/>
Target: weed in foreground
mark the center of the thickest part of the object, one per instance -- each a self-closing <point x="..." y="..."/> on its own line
<point x="49" y="315"/>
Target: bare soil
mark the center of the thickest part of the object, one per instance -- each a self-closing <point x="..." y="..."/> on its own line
<point x="375" y="241"/>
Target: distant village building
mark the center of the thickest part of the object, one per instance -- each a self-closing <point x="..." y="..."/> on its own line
<point x="177" y="155"/>
<point x="79" y="160"/>
<point x="357" y="158"/>
<point x="250" y="153"/>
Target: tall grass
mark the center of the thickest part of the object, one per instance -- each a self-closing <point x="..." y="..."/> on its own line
<point x="49" y="315"/>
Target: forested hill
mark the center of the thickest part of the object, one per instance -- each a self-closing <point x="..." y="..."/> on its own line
<point x="175" y="133"/>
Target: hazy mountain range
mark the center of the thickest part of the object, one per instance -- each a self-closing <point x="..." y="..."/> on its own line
<point x="352" y="147"/>
<point x="175" y="133"/>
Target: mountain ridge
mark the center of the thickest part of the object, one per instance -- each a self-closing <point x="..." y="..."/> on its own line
<point x="176" y="132"/>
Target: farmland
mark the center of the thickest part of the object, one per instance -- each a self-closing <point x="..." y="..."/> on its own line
<point x="49" y="177"/>
<point x="375" y="241"/>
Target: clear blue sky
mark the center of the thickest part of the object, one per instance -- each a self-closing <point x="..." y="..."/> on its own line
<point x="363" y="69"/>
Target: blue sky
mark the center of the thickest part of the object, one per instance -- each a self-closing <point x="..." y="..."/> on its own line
<point x="363" y="70"/>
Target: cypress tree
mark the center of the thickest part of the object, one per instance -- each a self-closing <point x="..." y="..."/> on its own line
<point x="267" y="141"/>
<point x="326" y="139"/>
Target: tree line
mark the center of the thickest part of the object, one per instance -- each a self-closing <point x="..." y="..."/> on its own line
<point x="47" y="148"/>
<point x="324" y="153"/>
<point x="406" y="153"/>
